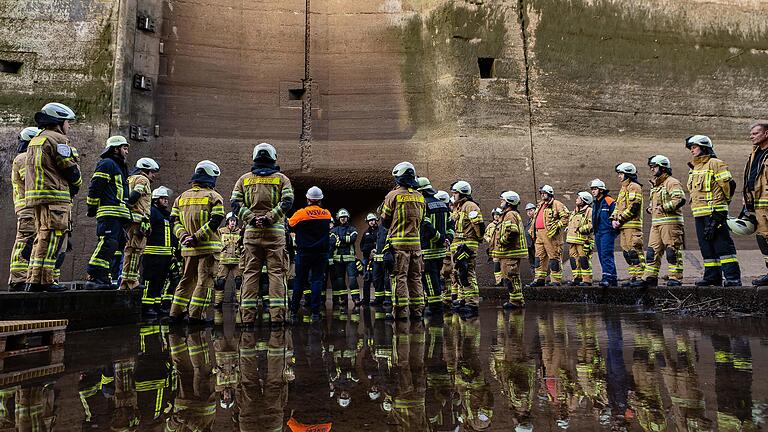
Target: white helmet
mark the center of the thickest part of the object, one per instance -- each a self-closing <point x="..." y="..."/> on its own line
<point x="586" y="197"/>
<point x="265" y="149"/>
<point x="741" y="227"/>
<point x="626" y="168"/>
<point x="28" y="133"/>
<point x="59" y="111"/>
<point x="342" y="213"/>
<point x="548" y="190"/>
<point x="147" y="164"/>
<point x="597" y="184"/>
<point x="371" y="217"/>
<point x="314" y="193"/>
<point x="511" y="197"/>
<point x="402" y="169"/>
<point x="161" y="192"/>
<point x="231" y="215"/>
<point x="699" y="140"/>
<point x="530" y="206"/>
<point x="115" y="141"/>
<point x="462" y="187"/>
<point x="209" y="167"/>
<point x="659" y="160"/>
<point x="443" y="196"/>
<point x="423" y="183"/>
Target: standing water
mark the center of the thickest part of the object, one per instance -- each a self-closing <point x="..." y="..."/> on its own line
<point x="546" y="368"/>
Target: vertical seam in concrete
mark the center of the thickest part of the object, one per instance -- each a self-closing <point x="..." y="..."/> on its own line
<point x="523" y="33"/>
<point x="118" y="80"/>
<point x="305" y="140"/>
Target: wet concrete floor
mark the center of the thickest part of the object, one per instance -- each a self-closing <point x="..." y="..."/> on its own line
<point x="549" y="367"/>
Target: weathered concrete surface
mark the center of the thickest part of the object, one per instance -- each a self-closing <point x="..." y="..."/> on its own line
<point x="83" y="309"/>
<point x="579" y="85"/>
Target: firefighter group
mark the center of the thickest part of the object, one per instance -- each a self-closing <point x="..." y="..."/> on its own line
<point x="418" y="254"/>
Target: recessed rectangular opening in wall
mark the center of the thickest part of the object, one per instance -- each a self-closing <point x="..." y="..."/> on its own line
<point x="296" y="93"/>
<point x="10" y="66"/>
<point x="487" y="67"/>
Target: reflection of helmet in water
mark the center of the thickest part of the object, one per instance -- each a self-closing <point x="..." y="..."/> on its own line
<point x="374" y="394"/>
<point x="605" y="416"/>
<point x="386" y="406"/>
<point x="527" y="427"/>
<point x="481" y="421"/>
<point x="290" y="374"/>
<point x="563" y="423"/>
<point x="344" y="399"/>
<point x="226" y="401"/>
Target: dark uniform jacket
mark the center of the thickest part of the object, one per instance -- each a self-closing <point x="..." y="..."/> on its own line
<point x="311" y="227"/>
<point x="437" y="227"/>
<point x="368" y="241"/>
<point x="109" y="189"/>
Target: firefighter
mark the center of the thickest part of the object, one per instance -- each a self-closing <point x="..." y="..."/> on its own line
<point x="511" y="246"/>
<point x="488" y="237"/>
<point x="227" y="368"/>
<point x="402" y="213"/>
<point x="667" y="201"/>
<point x="711" y="187"/>
<point x="152" y="374"/>
<point x="51" y="179"/>
<point x="25" y="216"/>
<point x="196" y="216"/>
<point x="628" y="219"/>
<point x="469" y="233"/>
<point x="343" y="238"/>
<point x="261" y="198"/>
<point x="367" y="246"/>
<point x="436" y="235"/>
<point x="756" y="190"/>
<point x="194" y="405"/>
<point x="229" y="259"/>
<point x="108" y="202"/>
<point x="603" y="206"/>
<point x="140" y="203"/>
<point x="158" y="253"/>
<point x="446" y="270"/>
<point x="579" y="239"/>
<point x="382" y="284"/>
<point x="310" y="224"/>
<point x="550" y="219"/>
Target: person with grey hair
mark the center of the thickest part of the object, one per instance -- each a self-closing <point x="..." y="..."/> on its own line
<point x="756" y="190"/>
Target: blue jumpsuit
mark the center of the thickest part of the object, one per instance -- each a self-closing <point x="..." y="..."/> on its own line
<point x="605" y="236"/>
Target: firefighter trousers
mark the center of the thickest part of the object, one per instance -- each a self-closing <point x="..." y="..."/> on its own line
<point x="111" y="239"/>
<point x="155" y="274"/>
<point x="761" y="214"/>
<point x="258" y="252"/>
<point x="631" y="242"/>
<point x="549" y="253"/>
<point x="222" y="274"/>
<point x="510" y="268"/>
<point x="431" y="280"/>
<point x="51" y="222"/>
<point x="22" y="248"/>
<point x="466" y="287"/>
<point x="195" y="287"/>
<point x="717" y="250"/>
<point x="345" y="283"/>
<point x="581" y="262"/>
<point x="382" y="285"/>
<point x="134" y="248"/>
<point x="448" y="282"/>
<point x="665" y="240"/>
<point x="310" y="271"/>
<point x="406" y="281"/>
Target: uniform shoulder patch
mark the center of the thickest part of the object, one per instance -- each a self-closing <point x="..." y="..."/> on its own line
<point x="64" y="150"/>
<point x="473" y="214"/>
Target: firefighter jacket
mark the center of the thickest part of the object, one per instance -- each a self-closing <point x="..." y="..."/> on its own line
<point x="198" y="212"/>
<point x="602" y="210"/>
<point x="231" y="249"/>
<point x="381" y="240"/>
<point x="311" y="227"/>
<point x="469" y="225"/>
<point x="140" y="185"/>
<point x="756" y="197"/>
<point x="109" y="188"/>
<point x="579" y="226"/>
<point x="667" y="200"/>
<point x="555" y="218"/>
<point x="629" y="206"/>
<point x="509" y="236"/>
<point x="489" y="235"/>
<point x="18" y="168"/>
<point x="710" y="185"/>
<point x="403" y="212"/>
<point x="263" y="196"/>
<point x="368" y="241"/>
<point x="437" y="227"/>
<point x="52" y="174"/>
<point x="161" y="240"/>
<point x="343" y="238"/>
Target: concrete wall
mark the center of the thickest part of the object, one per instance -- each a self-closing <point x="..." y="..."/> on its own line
<point x="577" y="86"/>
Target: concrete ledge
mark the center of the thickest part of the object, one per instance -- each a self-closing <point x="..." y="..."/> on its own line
<point x="83" y="309"/>
<point x="738" y="299"/>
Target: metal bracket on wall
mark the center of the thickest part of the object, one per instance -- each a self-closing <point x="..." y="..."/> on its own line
<point x="141" y="82"/>
<point x="145" y="23"/>
<point x="139" y="133"/>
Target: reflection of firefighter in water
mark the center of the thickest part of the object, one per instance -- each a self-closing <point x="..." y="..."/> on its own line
<point x="263" y="392"/>
<point x="340" y="363"/>
<point x="125" y="415"/>
<point x="194" y="405"/>
<point x="682" y="384"/>
<point x="512" y="366"/>
<point x="227" y="369"/>
<point x="152" y="375"/>
<point x="645" y="401"/>
<point x="408" y="403"/>
<point x="34" y="408"/>
<point x="96" y="388"/>
<point x="7" y="401"/>
<point x="733" y="383"/>
<point x="473" y="389"/>
<point x="590" y="370"/>
<point x="441" y="410"/>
